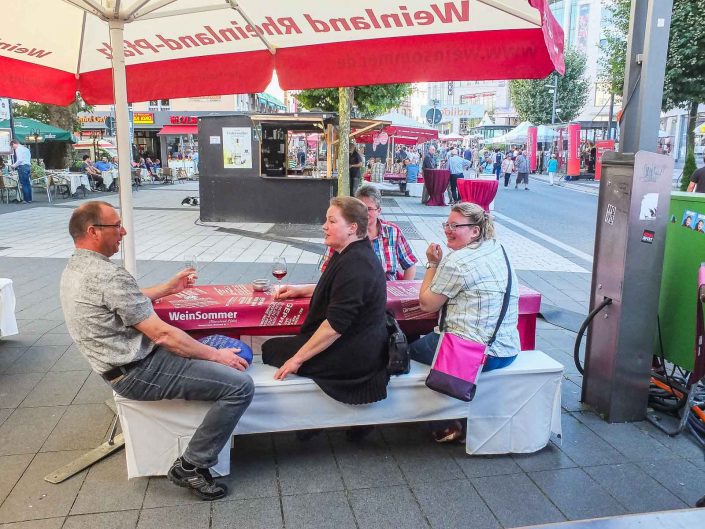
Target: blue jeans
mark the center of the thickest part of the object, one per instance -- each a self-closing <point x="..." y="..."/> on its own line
<point x="423" y="350"/>
<point x="24" y="173"/>
<point x="163" y="375"/>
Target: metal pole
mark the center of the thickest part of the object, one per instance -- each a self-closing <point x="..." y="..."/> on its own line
<point x="555" y="98"/>
<point x="647" y="48"/>
<point x="610" y="118"/>
<point x="122" y="136"/>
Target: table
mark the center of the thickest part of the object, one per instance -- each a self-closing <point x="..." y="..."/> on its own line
<point x="480" y="192"/>
<point x="237" y="310"/>
<point x="8" y="323"/>
<point x="188" y="165"/>
<point x="109" y="177"/>
<point x="436" y="181"/>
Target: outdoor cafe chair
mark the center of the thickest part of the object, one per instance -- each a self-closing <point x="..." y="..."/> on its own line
<point x="8" y="186"/>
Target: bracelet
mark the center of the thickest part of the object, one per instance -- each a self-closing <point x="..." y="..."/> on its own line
<point x="431" y="265"/>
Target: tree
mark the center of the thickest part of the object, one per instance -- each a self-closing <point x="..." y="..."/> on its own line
<point x="534" y="102"/>
<point x="55" y="154"/>
<point x="684" y="85"/>
<point x="370" y="101"/>
<point x="613" y="48"/>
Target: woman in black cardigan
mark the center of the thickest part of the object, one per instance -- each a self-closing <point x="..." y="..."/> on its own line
<point x="343" y="342"/>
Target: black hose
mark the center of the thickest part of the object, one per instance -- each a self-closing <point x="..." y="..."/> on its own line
<point x="583" y="328"/>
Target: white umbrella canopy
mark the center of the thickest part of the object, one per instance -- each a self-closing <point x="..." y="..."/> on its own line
<point x="115" y="51"/>
<point x="520" y="134"/>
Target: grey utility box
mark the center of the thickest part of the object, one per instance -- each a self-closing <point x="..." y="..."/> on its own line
<point x="632" y="213"/>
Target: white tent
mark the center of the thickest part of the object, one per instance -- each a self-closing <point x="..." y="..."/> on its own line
<point x="519" y="134"/>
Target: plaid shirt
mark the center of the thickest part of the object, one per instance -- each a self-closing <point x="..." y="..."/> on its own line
<point x="391" y="248"/>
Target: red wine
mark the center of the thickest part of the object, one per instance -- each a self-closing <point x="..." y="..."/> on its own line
<point x="279" y="274"/>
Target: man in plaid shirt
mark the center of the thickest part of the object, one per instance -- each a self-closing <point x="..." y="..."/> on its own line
<point x="388" y="242"/>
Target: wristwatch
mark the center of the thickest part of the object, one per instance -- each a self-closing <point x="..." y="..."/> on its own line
<point x="431" y="265"/>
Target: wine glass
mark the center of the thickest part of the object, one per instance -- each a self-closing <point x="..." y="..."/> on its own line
<point x="279" y="271"/>
<point x="191" y="261"/>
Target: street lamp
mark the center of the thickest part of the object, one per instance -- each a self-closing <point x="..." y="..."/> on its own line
<point x="553" y="89"/>
<point x="35" y="136"/>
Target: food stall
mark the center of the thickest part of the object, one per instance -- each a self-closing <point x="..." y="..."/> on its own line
<point x="250" y="170"/>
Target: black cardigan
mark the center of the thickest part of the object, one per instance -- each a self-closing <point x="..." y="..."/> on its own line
<point x="352" y="295"/>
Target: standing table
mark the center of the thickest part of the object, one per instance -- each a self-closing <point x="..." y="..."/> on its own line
<point x="436" y="181"/>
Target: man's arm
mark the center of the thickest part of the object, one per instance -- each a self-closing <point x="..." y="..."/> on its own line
<point x="691" y="187"/>
<point x="181" y="344"/>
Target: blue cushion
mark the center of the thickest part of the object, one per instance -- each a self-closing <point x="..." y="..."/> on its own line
<point x="225" y="342"/>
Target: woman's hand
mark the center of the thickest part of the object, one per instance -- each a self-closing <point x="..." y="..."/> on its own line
<point x="290" y="366"/>
<point x="293" y="291"/>
<point x="434" y="253"/>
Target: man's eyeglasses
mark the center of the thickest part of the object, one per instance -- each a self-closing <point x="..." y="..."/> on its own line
<point x="118" y="225"/>
<point x="452" y="226"/>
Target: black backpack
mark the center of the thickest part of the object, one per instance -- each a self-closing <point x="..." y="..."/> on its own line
<point x="399" y="362"/>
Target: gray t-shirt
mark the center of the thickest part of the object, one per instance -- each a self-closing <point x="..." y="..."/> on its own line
<point x="101" y="303"/>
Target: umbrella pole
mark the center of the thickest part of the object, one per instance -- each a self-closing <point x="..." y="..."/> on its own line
<point x="117" y="28"/>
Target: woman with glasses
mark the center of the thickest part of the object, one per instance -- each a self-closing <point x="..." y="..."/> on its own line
<point x="388" y="242"/>
<point x="468" y="284"/>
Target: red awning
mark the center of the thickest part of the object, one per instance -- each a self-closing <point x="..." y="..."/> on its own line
<point x="178" y="130"/>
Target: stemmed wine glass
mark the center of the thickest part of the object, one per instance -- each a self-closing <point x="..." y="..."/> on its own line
<point x="279" y="271"/>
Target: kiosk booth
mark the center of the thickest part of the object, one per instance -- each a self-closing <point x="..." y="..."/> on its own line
<point x="250" y="169"/>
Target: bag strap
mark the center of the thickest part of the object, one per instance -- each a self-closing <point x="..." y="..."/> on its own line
<point x="505" y="303"/>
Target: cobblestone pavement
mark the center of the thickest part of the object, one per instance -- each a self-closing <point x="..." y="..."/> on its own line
<point x="52" y="409"/>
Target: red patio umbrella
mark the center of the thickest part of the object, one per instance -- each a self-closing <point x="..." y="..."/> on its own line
<point x="138" y="50"/>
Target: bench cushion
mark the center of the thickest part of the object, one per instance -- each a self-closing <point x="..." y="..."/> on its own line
<point x="515" y="410"/>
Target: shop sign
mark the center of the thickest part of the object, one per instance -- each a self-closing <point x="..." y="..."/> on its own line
<point x="143" y="118"/>
<point x="183" y="120"/>
<point x="454" y="111"/>
<point x="85" y="120"/>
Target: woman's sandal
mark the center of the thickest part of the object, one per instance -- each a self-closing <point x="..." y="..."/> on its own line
<point x="453" y="433"/>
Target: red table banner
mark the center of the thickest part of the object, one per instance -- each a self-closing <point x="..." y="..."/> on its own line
<point x="573" y="168"/>
<point x="531" y="137"/>
<point x="601" y="146"/>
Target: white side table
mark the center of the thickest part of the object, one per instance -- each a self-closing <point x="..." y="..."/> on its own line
<point x="8" y="323"/>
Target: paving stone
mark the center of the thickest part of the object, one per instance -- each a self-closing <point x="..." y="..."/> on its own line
<point x="570" y="396"/>
<point x="318" y="511"/>
<point x="38" y="326"/>
<point x="387" y="507"/>
<point x="634" y="489"/>
<point x="502" y="495"/>
<point x="253" y="470"/>
<point x="177" y="517"/>
<point x="54" y="339"/>
<point x="33" y="498"/>
<point x="584" y="446"/>
<point x="106" y="488"/>
<point x="369" y="463"/>
<point x="420" y="459"/>
<point x="20" y="340"/>
<point x="683" y="444"/>
<point x="107" y="520"/>
<point x="163" y="493"/>
<point x="94" y="391"/>
<point x="261" y="513"/>
<point x="549" y="458"/>
<point x="679" y="476"/>
<point x="14" y="388"/>
<point x="48" y="523"/>
<point x="26" y="429"/>
<point x="9" y="355"/>
<point x="56" y="389"/>
<point x="306" y="467"/>
<point x="630" y="440"/>
<point x="576" y="494"/>
<point x="480" y="466"/>
<point x="12" y="469"/>
<point x="4" y="414"/>
<point x="71" y="360"/>
<point x="453" y="504"/>
<point x="37" y="359"/>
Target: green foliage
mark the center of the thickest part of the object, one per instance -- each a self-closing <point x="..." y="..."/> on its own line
<point x="614" y="45"/>
<point x="36" y="170"/>
<point x="63" y="117"/>
<point x="688" y="169"/>
<point x="534" y="103"/>
<point x="370" y="101"/>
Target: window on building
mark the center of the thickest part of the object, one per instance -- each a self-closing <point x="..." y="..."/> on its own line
<point x="159" y="104"/>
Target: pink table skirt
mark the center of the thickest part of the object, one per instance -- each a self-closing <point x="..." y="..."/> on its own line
<point x="480" y="192"/>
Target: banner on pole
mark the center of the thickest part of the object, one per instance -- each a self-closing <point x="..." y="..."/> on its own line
<point x="531" y="137"/>
<point x="573" y="168"/>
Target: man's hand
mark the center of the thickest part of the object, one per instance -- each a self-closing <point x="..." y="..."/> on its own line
<point x="290" y="366"/>
<point x="184" y="279"/>
<point x="228" y="357"/>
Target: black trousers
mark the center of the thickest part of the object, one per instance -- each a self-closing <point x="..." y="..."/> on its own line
<point x="454" y="187"/>
<point x="507" y="177"/>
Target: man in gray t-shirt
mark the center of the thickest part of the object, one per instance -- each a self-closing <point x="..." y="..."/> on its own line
<point x="142" y="357"/>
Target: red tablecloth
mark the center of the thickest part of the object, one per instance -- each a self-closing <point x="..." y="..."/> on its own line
<point x="480" y="192"/>
<point x="436" y="181"/>
<point x="237" y="310"/>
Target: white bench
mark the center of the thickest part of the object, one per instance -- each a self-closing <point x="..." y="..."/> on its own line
<point x="515" y="410"/>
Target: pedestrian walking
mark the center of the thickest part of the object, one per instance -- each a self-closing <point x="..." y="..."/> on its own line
<point x="522" y="166"/>
<point x="23" y="164"/>
<point x="507" y="168"/>
<point x="497" y="168"/>
<point x="552" y="168"/>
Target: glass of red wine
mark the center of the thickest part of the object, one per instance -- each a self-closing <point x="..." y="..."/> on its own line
<point x="279" y="271"/>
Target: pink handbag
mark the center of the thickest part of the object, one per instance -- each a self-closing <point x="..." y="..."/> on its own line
<point x="458" y="361"/>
